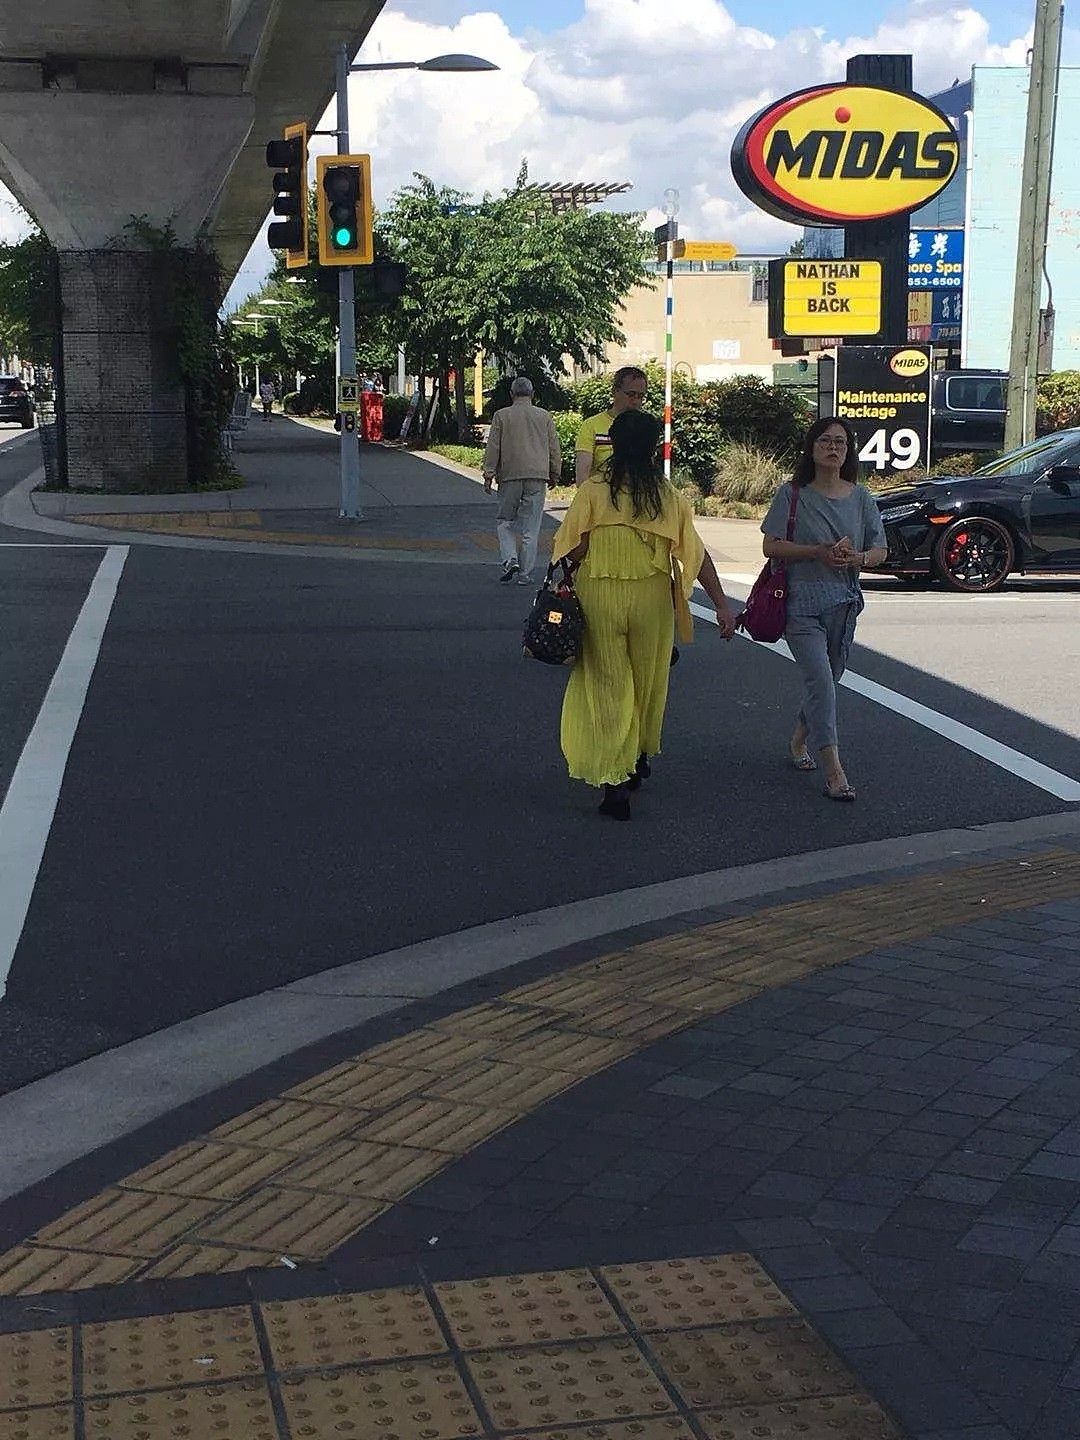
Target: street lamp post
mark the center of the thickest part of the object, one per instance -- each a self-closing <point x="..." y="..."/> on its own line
<point x="350" y="440"/>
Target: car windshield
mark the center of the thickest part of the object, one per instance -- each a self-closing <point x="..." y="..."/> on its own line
<point x="7" y="383"/>
<point x="1034" y="458"/>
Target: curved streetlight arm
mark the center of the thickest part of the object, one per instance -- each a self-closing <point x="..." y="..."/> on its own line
<point x="458" y="64"/>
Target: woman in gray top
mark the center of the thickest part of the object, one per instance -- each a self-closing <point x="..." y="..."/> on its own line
<point x="837" y="533"/>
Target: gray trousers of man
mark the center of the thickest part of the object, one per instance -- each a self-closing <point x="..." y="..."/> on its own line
<point x="821" y="645"/>
<point x="521" y="502"/>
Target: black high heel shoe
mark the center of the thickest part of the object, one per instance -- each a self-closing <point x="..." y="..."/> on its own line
<point x="642" y="771"/>
<point x="616" y="802"/>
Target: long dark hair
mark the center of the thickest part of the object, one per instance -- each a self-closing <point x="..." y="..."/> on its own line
<point x="632" y="468"/>
<point x="849" y="470"/>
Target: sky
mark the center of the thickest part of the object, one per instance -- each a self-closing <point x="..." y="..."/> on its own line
<point x="647" y="91"/>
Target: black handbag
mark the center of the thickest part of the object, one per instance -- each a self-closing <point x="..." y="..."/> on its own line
<point x="556" y="623"/>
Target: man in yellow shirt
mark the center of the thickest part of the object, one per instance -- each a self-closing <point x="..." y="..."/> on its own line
<point x="592" y="446"/>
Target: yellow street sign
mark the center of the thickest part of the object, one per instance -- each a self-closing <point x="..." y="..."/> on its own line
<point x="919" y="307"/>
<point x="677" y="248"/>
<point x="837" y="297"/>
<point x="348" y="393"/>
<point x="708" y="250"/>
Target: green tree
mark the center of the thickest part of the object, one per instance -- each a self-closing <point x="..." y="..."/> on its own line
<point x="509" y="276"/>
<point x="27" y="306"/>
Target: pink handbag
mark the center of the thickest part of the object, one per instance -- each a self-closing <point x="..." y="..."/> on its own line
<point x="764" y="616"/>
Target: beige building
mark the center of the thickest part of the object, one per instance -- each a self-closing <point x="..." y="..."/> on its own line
<point x="720" y="321"/>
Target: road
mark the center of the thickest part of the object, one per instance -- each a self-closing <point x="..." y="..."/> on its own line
<point x="285" y="763"/>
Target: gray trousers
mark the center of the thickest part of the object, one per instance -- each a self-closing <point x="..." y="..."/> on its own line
<point x="821" y="645"/>
<point x="520" y="501"/>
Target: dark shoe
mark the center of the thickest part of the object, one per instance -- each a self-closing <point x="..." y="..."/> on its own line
<point x="616" y="802"/>
<point x="839" y="792"/>
<point x="509" y="570"/>
<point x="642" y="771"/>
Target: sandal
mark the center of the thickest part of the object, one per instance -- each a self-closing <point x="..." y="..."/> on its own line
<point x="839" y="792"/>
<point x="805" y="761"/>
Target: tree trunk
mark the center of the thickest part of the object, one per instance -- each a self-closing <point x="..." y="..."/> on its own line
<point x="459" y="400"/>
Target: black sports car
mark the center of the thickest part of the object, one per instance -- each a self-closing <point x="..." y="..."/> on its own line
<point x="1019" y="513"/>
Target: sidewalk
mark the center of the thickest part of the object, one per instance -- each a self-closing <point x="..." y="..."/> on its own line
<point x="797" y="1166"/>
<point x="416" y="505"/>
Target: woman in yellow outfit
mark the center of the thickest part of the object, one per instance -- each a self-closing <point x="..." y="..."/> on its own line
<point x="639" y="555"/>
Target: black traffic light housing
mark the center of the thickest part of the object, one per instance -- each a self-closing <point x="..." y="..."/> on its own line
<point x="343" y="200"/>
<point x="288" y="157"/>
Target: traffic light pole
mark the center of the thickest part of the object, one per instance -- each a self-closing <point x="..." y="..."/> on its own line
<point x="350" y="440"/>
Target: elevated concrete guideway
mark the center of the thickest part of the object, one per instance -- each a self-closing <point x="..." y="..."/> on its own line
<point x="103" y="100"/>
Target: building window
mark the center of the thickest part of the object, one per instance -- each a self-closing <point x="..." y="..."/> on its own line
<point x="760" y="292"/>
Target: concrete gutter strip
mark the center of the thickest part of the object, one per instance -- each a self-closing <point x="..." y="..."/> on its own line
<point x="56" y="1120"/>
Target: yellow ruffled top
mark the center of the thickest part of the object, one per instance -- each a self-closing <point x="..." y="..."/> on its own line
<point x="640" y="545"/>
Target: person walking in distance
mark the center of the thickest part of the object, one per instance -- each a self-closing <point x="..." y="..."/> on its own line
<point x="638" y="556"/>
<point x="837" y="533"/>
<point x="522" y="457"/>
<point x="593" y="445"/>
<point x="266" y="395"/>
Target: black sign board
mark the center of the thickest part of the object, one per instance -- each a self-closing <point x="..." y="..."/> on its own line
<point x="883" y="392"/>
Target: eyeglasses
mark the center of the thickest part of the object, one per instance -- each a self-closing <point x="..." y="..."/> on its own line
<point x="830" y="443"/>
<point x="634" y="394"/>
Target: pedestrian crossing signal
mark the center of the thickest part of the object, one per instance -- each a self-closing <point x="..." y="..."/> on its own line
<point x="343" y="194"/>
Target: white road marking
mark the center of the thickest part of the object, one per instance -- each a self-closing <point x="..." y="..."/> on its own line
<point x="1063" y="787"/>
<point x="26" y="815"/>
<point x="53" y="545"/>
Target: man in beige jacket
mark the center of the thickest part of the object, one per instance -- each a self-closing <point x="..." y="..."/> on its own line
<point x="523" y="456"/>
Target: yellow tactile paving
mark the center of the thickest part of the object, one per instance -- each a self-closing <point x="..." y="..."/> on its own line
<point x="240" y="1411"/>
<point x="208" y="1171"/>
<point x="424" y="1092"/>
<point x="36" y="1269"/>
<point x="436" y="1125"/>
<point x="669" y="1294"/>
<point x="335" y="1330"/>
<point x="545" y="1353"/>
<point x="122" y="1222"/>
<point x="563" y="1384"/>
<point x="191" y="1348"/>
<point x="205" y="1260"/>
<point x="363" y="1169"/>
<point x="289" y="1125"/>
<point x="35" y="1368"/>
<point x="392" y="1402"/>
<point x="57" y="1422"/>
<point x="527" y="1309"/>
<point x="840" y="1417"/>
<point x="760" y="1363"/>
<point x="294" y="1223"/>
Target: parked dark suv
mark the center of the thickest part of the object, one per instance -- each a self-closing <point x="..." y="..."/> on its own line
<point x="967" y="411"/>
<point x="16" y="407"/>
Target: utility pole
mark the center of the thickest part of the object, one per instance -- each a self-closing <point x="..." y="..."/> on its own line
<point x="1033" y="222"/>
<point x="350" y="440"/>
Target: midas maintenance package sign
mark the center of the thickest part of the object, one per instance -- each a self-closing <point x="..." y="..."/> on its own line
<point x="824" y="297"/>
<point x="883" y="392"/>
<point x="844" y="154"/>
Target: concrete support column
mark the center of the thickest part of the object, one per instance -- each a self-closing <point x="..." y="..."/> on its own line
<point x="85" y="164"/>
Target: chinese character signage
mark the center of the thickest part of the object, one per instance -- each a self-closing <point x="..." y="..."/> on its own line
<point x="935" y="260"/>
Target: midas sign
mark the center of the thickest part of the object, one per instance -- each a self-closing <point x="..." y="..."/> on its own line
<point x="839" y="154"/>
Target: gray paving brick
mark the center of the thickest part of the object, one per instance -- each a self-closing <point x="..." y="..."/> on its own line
<point x="1049" y="1339"/>
<point x="871" y="1189"/>
<point x="686" y="1085"/>
<point x="625" y="1185"/>
<point x="938" y="1400"/>
<point x="1060" y="1167"/>
<point x="938" y="1121"/>
<point x="1038" y="1050"/>
<point x="833" y="1292"/>
<point x="1065" y="1142"/>
<point x="861" y="997"/>
<point x="963" y="1102"/>
<point x="865" y="1328"/>
<point x="944" y="1217"/>
<point x="964" y="1189"/>
<point x="894" y="1102"/>
<point x="969" y="1048"/>
<point x="985" y="1167"/>
<point x="1066" y="1241"/>
<point x="1020" y="1242"/>
<point x="804" y="1262"/>
<point x="1004" y="1086"/>
<point x="850" y="1215"/>
<point x="1018" y="1120"/>
<point x="972" y="1303"/>
<point x="897" y="1165"/>
<point x="762" y="1082"/>
<point x="786" y="1230"/>
<point x="969" y="1432"/>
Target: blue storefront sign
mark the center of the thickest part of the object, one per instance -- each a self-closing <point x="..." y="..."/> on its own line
<point x="935" y="259"/>
<point x="945" y="317"/>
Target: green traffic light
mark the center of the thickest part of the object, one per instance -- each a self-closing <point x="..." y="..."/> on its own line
<point x="342" y="237"/>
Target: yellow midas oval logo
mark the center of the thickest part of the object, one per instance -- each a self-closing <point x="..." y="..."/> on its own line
<point x="839" y="154"/>
<point x="909" y="362"/>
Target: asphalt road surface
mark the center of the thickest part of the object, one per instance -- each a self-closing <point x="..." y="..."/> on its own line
<point x="283" y="764"/>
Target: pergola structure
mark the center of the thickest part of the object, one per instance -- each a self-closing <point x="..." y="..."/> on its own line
<point x="572" y="195"/>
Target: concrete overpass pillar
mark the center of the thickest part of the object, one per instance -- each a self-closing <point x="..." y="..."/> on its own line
<point x="87" y="163"/>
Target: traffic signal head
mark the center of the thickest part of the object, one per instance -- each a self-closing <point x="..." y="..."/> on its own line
<point x="343" y="197"/>
<point x="288" y="157"/>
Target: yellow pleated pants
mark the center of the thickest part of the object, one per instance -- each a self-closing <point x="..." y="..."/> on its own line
<point x="615" y="699"/>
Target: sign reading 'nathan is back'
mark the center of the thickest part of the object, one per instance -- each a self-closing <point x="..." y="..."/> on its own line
<point x="824" y="297"/>
<point x="843" y="154"/>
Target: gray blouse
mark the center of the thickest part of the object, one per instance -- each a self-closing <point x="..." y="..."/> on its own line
<point x="820" y="519"/>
